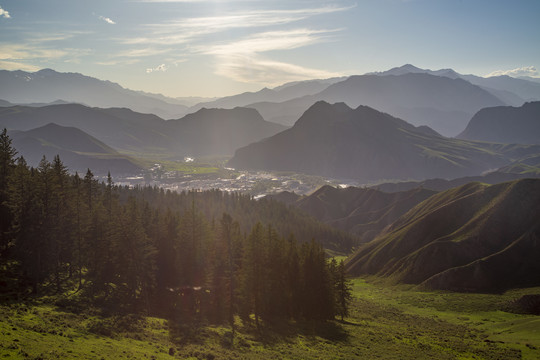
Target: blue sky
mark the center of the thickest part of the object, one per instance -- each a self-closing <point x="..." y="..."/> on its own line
<point x="217" y="48"/>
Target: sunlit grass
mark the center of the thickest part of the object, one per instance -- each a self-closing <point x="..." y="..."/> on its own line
<point x="386" y="321"/>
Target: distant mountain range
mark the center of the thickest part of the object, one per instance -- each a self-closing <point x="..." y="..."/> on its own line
<point x="207" y="132"/>
<point x="122" y="129"/>
<point x="505" y="124"/>
<point x="78" y="150"/>
<point x="420" y="99"/>
<point x="218" y="131"/>
<point x="281" y="93"/>
<point x="442" y="99"/>
<point x="476" y="237"/>
<point x="46" y="86"/>
<point x="367" y="145"/>
<point x="442" y="103"/>
<point x="513" y="91"/>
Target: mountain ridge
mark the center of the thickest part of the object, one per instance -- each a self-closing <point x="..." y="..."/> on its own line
<point x="450" y="232"/>
<point x="505" y="124"/>
<point x="367" y="145"/>
<point x="47" y="85"/>
<point x="221" y="131"/>
<point x="77" y="150"/>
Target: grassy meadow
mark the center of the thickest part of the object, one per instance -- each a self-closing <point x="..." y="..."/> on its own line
<point x="386" y="322"/>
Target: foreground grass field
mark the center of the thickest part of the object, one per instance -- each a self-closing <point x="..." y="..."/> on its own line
<point x="386" y="322"/>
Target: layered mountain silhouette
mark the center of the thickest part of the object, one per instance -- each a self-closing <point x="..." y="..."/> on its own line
<point x="122" y="129"/>
<point x="505" y="124"/>
<point x="78" y="150"/>
<point x="442" y="103"/>
<point x="367" y="145"/>
<point x="460" y="101"/>
<point x="477" y="237"/>
<point x="207" y="132"/>
<point x="513" y="91"/>
<point x="281" y="93"/>
<point x="218" y="131"/>
<point x="47" y="85"/>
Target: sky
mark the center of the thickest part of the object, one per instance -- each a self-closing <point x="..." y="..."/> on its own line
<point x="216" y="48"/>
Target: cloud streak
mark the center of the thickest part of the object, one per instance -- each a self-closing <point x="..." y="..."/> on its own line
<point x="107" y="20"/>
<point x="13" y="65"/>
<point x="4" y="13"/>
<point x="26" y="52"/>
<point x="256" y="69"/>
<point x="185" y="30"/>
<point x="522" y="71"/>
<point x="242" y="61"/>
<point x="161" y="68"/>
<point x="269" y="41"/>
<point x="21" y="57"/>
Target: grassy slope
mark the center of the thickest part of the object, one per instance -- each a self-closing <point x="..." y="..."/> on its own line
<point x="456" y="228"/>
<point x="391" y="322"/>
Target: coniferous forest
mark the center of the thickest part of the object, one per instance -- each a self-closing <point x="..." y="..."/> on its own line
<point x="191" y="257"/>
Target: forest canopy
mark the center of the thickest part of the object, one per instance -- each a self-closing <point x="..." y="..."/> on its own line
<point x="190" y="256"/>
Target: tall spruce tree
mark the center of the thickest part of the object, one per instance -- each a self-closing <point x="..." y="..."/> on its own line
<point x="7" y="165"/>
<point x="342" y="289"/>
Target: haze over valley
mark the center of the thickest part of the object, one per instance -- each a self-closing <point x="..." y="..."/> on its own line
<point x="262" y="180"/>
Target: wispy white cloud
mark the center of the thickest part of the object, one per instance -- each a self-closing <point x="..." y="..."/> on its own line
<point x="22" y="57"/>
<point x="268" y="41"/>
<point x="4" y="13"/>
<point x="185" y="30"/>
<point x="14" y="65"/>
<point x="41" y="38"/>
<point x="107" y="20"/>
<point x="255" y="69"/>
<point x="28" y="52"/>
<point x="118" y="62"/>
<point x="33" y="55"/>
<point x="241" y="60"/>
<point x="522" y="71"/>
<point x="161" y="67"/>
<point x="143" y="52"/>
<point x="257" y="18"/>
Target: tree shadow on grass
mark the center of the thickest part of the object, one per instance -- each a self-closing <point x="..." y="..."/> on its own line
<point x="268" y="333"/>
<point x="287" y="331"/>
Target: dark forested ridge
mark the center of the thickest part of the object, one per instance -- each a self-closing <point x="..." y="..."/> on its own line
<point x="146" y="250"/>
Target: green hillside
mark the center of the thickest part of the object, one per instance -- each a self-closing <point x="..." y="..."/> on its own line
<point x="454" y="240"/>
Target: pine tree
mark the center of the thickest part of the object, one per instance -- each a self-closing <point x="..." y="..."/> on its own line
<point x="254" y="273"/>
<point x="167" y="271"/>
<point x="292" y="290"/>
<point x="343" y="290"/>
<point x="78" y="220"/>
<point x="61" y="224"/>
<point x="7" y="165"/>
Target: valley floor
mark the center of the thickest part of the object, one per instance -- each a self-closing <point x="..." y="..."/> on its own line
<point x="386" y="322"/>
